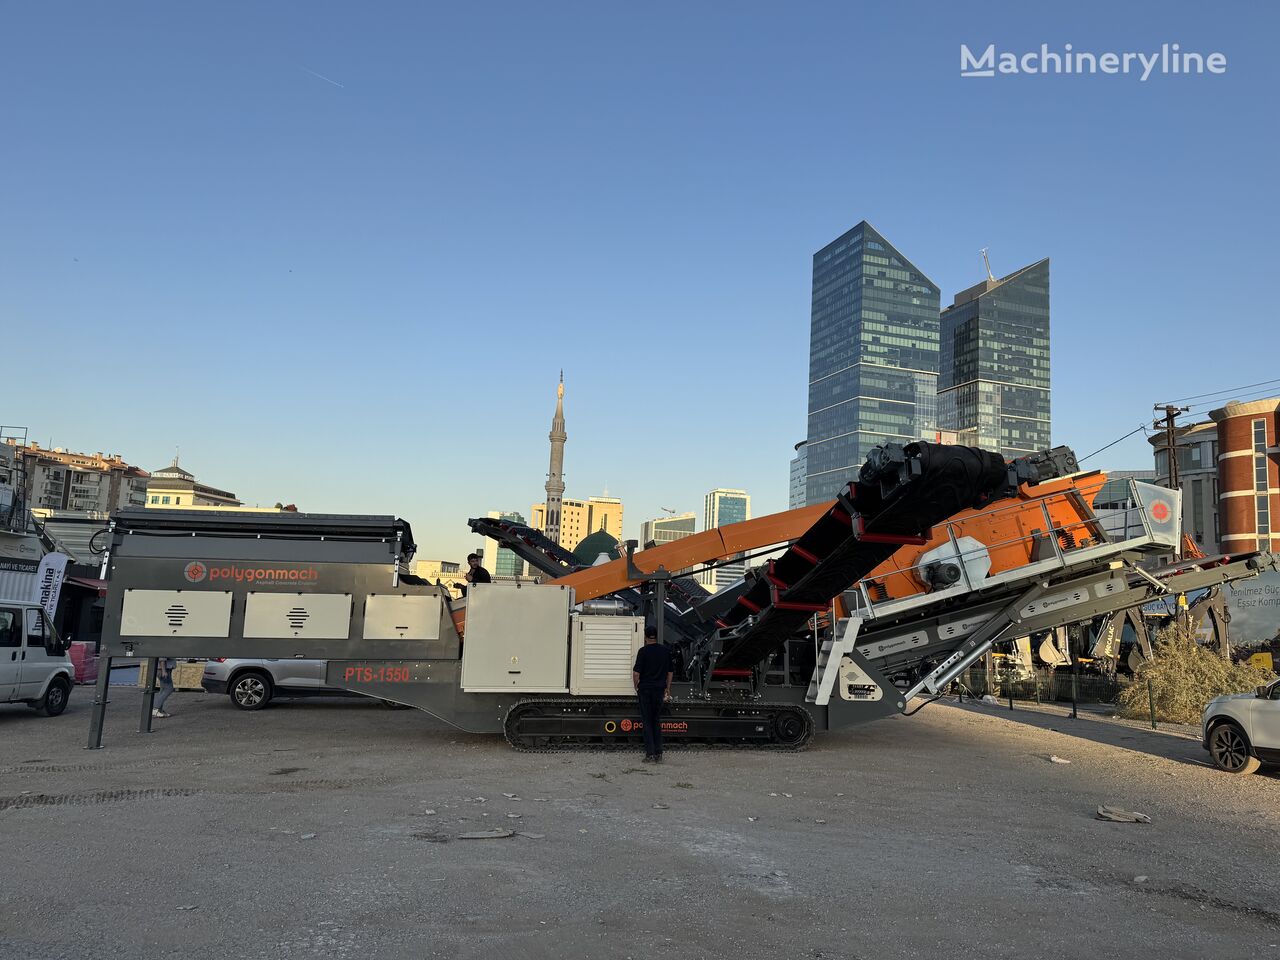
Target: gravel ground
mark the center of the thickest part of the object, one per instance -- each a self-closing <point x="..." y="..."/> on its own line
<point x="1101" y="712"/>
<point x="330" y="829"/>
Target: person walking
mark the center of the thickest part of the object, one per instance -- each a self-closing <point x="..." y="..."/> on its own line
<point x="652" y="676"/>
<point x="164" y="673"/>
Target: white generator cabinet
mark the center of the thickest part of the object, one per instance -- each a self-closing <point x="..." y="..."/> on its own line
<point x="604" y="652"/>
<point x="517" y="638"/>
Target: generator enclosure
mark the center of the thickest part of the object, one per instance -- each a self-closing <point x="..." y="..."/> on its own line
<point x="604" y="652"/>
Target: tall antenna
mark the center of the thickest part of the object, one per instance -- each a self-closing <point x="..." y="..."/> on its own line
<point x="985" y="259"/>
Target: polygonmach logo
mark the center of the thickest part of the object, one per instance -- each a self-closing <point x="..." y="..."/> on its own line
<point x="1160" y="511"/>
<point x="197" y="571"/>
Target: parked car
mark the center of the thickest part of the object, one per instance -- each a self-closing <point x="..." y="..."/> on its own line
<point x="34" y="666"/>
<point x="1242" y="730"/>
<point x="252" y="684"/>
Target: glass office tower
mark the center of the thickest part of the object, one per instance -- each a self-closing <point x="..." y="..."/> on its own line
<point x="993" y="390"/>
<point x="722" y="507"/>
<point x="873" y="356"/>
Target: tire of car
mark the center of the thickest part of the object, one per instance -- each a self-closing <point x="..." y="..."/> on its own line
<point x="1229" y="748"/>
<point x="55" y="698"/>
<point x="250" y="690"/>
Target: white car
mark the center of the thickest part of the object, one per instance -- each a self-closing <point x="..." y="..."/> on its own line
<point x="1242" y="730"/>
<point x="34" y="666"/>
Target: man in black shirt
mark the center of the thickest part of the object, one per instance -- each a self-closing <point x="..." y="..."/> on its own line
<point x="652" y="677"/>
<point x="476" y="573"/>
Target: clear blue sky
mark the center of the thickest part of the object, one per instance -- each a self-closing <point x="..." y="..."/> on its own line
<point x="357" y="294"/>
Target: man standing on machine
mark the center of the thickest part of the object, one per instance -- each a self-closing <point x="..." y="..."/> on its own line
<point x="475" y="573"/>
<point x="652" y="676"/>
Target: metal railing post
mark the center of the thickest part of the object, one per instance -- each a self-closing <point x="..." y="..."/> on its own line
<point x="1075" y="672"/>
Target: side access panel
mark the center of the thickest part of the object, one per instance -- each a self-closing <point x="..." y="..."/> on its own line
<point x="517" y="638"/>
<point x="175" y="613"/>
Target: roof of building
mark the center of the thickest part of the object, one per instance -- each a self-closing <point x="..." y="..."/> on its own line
<point x="73" y="531"/>
<point x="1190" y="433"/>
<point x="595" y="544"/>
<point x="173" y="477"/>
<point x="864" y="227"/>
<point x="85" y="461"/>
<point x="173" y="471"/>
<point x="1252" y="408"/>
<point x="986" y="286"/>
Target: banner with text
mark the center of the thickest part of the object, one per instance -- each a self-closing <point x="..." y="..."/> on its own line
<point x="53" y="568"/>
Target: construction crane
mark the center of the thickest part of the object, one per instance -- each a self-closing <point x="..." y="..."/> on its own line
<point x="926" y="560"/>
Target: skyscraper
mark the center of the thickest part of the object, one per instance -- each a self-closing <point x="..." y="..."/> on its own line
<point x="667" y="529"/>
<point x="503" y="562"/>
<point x="723" y="506"/>
<point x="873" y="356"/>
<point x="555" y="474"/>
<point x="799" y="476"/>
<point x="993" y="390"/>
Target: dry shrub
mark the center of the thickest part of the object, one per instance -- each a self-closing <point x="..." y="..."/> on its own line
<point x="1185" y="676"/>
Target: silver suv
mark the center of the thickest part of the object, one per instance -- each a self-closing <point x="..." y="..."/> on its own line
<point x="1242" y="730"/>
<point x="252" y="684"/>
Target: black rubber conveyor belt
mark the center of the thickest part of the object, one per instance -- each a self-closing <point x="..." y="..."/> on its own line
<point x="900" y="493"/>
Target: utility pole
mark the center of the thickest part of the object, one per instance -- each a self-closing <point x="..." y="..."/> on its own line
<point x="1171" y="451"/>
<point x="1171" y="439"/>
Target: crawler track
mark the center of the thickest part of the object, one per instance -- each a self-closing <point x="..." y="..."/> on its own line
<point x="545" y="724"/>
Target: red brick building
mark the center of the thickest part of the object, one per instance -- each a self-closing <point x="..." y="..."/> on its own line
<point x="1229" y="474"/>
<point x="1249" y="475"/>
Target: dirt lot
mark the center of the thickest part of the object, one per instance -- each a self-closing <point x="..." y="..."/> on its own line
<point x="329" y="829"/>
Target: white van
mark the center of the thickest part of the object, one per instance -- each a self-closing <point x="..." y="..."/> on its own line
<point x="34" y="666"/>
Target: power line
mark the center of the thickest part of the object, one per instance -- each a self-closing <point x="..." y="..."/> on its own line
<point x="1239" y="398"/>
<point x="1141" y="426"/>
<point x="1214" y="393"/>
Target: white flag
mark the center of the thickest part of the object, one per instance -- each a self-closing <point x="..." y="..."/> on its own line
<point x="53" y="568"/>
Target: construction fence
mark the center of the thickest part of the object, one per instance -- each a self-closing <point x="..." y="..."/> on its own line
<point x="1045" y="686"/>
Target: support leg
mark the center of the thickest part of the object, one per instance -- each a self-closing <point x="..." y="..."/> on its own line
<point x="100" y="701"/>
<point x="148" y="697"/>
